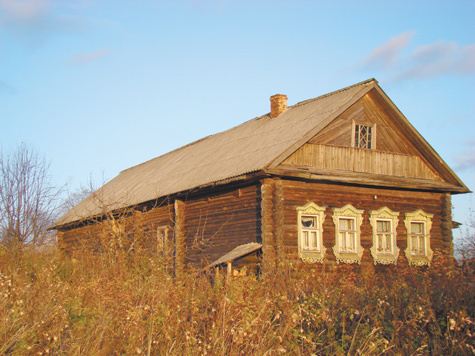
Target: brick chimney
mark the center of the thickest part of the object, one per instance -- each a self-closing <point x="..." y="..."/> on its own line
<point x="278" y="104"/>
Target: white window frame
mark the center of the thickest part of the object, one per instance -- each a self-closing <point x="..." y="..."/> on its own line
<point x="371" y="142"/>
<point x="426" y="220"/>
<point x="384" y="257"/>
<point x="348" y="212"/>
<point x="317" y="253"/>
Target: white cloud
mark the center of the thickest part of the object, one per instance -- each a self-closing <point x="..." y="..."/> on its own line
<point x="15" y="10"/>
<point x="423" y="61"/>
<point x="465" y="160"/>
<point x="88" y="57"/>
<point x="35" y="20"/>
<point x="386" y="55"/>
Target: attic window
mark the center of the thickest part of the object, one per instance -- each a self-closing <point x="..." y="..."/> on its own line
<point x="364" y="136"/>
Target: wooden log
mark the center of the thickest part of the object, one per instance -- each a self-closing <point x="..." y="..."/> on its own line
<point x="267" y="222"/>
<point x="278" y="218"/>
<point x="179" y="207"/>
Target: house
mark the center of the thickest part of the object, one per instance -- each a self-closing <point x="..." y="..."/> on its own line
<point x="340" y="179"/>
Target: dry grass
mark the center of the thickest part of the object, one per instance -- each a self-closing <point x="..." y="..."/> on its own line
<point x="96" y="305"/>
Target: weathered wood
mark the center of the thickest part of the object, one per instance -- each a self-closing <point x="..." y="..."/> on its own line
<point x="218" y="224"/>
<point x="358" y="160"/>
<point x="179" y="233"/>
<point x="278" y="218"/>
<point x="298" y="193"/>
<point x="446" y="225"/>
<point x="317" y="174"/>
<point x="267" y="222"/>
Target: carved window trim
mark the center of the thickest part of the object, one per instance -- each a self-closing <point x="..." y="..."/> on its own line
<point x="421" y="219"/>
<point x="311" y="254"/>
<point x="348" y="212"/>
<point x="384" y="215"/>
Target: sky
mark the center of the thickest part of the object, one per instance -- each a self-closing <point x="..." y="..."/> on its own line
<point x="99" y="86"/>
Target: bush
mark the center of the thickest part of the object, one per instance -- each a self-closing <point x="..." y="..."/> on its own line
<point x="94" y="306"/>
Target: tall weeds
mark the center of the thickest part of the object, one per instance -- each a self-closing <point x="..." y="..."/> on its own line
<point x="95" y="305"/>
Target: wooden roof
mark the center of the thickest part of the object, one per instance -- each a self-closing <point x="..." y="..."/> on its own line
<point x="237" y="252"/>
<point x="256" y="145"/>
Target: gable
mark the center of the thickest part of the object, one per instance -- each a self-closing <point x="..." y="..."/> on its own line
<point x="367" y="111"/>
<point x="398" y="155"/>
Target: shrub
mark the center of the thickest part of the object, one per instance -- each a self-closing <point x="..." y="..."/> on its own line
<point x="92" y="305"/>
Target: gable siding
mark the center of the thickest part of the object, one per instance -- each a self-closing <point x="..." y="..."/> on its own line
<point x="359" y="160"/>
<point x="297" y="194"/>
<point x="366" y="111"/>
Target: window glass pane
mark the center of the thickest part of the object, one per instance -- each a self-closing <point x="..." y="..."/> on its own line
<point x="313" y="240"/>
<point x="388" y="246"/>
<point x="343" y="240"/>
<point x="380" y="243"/>
<point x="415" y="244"/>
<point x="421" y="247"/>
<point x="305" y="239"/>
<point x="351" y="242"/>
<point x="309" y="221"/>
<point x="417" y="228"/>
<point x="383" y="226"/>
<point x="346" y="224"/>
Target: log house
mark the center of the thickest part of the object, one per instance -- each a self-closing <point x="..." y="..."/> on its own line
<point x="340" y="179"/>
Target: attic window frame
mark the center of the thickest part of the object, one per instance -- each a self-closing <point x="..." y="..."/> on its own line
<point x="369" y="142"/>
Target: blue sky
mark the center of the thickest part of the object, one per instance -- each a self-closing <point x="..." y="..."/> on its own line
<point x="100" y="86"/>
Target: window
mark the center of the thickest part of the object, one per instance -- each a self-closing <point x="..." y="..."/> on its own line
<point x="347" y="222"/>
<point x="347" y="235"/>
<point x="310" y="223"/>
<point x="364" y="136"/>
<point x="418" y="225"/>
<point x="418" y="239"/>
<point x="384" y="223"/>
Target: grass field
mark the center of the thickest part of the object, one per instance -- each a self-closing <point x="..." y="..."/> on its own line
<point x="105" y="305"/>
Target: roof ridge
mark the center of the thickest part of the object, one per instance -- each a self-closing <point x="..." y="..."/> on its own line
<point x="364" y="82"/>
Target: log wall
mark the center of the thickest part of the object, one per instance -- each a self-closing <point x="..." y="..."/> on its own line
<point x="139" y="227"/>
<point x="219" y="222"/>
<point x="298" y="193"/>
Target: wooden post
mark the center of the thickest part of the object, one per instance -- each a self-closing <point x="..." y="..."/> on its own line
<point x="138" y="229"/>
<point x="60" y="239"/>
<point x="267" y="222"/>
<point x="230" y="268"/>
<point x="179" y="236"/>
<point x="446" y="225"/>
<point x="278" y="217"/>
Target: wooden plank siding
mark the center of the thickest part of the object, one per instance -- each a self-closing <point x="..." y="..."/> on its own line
<point x="360" y="160"/>
<point x="298" y="193"/>
<point x="368" y="110"/>
<point x="219" y="222"/>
